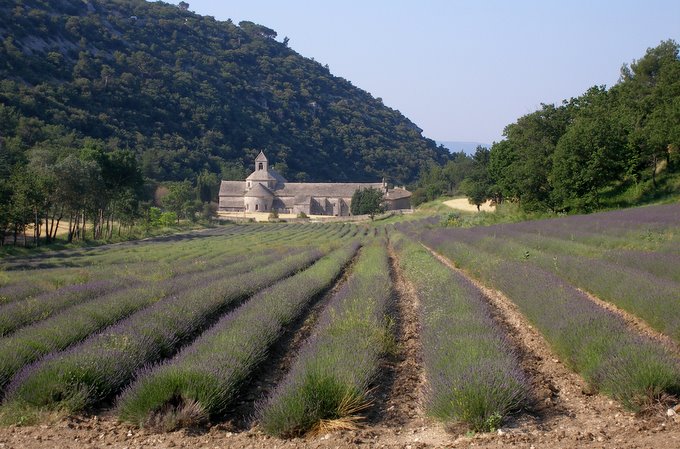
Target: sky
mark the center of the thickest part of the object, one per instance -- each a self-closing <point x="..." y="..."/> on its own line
<point x="464" y="69"/>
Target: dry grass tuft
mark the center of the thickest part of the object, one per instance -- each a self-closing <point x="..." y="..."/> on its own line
<point x="178" y="414"/>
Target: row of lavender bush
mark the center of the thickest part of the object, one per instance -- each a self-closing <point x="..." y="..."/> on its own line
<point x="30" y="310"/>
<point x="205" y="377"/>
<point x="130" y="261"/>
<point x="472" y="372"/>
<point x="80" y="321"/>
<point x="330" y="381"/>
<point x="626" y="253"/>
<point x="76" y="323"/>
<point x="104" y="363"/>
<point x="210" y="258"/>
<point x="108" y="254"/>
<point x="594" y="342"/>
<point x="20" y="313"/>
<point x="112" y="262"/>
<point x="654" y="299"/>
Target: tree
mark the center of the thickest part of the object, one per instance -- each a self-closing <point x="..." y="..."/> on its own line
<point x="255" y="28"/>
<point x="208" y="186"/>
<point x="477" y="185"/>
<point x="367" y="201"/>
<point x="589" y="156"/>
<point x="180" y="200"/>
<point x="649" y="91"/>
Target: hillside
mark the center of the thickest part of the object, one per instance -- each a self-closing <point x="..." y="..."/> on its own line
<point x="187" y="93"/>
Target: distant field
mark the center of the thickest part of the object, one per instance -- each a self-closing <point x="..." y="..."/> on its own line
<point x="343" y="334"/>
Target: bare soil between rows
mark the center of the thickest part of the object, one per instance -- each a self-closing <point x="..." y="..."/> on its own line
<point x="564" y="413"/>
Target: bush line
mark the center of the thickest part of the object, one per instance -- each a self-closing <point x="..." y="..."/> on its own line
<point x="329" y="384"/>
<point x="594" y="342"/>
<point x="473" y="373"/>
<point x="654" y="299"/>
<point x="76" y="323"/>
<point x="103" y="364"/>
<point x="202" y="380"/>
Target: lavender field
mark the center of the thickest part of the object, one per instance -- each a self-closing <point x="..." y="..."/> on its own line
<point x="552" y="270"/>
<point x="294" y="330"/>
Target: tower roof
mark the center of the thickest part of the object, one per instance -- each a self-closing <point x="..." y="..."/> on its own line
<point x="261" y="157"/>
<point x="259" y="191"/>
<point x="261" y="175"/>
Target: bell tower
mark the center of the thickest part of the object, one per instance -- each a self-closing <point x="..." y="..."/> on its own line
<point x="261" y="162"/>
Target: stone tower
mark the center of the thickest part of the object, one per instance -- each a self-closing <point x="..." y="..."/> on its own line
<point x="261" y="162"/>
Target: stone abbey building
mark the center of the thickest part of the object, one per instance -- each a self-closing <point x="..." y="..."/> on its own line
<point x="265" y="190"/>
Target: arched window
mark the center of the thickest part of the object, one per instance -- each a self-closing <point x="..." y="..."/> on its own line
<point x="260" y="166"/>
<point x="256" y="206"/>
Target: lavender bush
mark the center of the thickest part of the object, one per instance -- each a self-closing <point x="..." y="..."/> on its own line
<point x="641" y="293"/>
<point x="593" y="341"/>
<point x="104" y="363"/>
<point x="64" y="329"/>
<point x="205" y="377"/>
<point x="473" y="373"/>
<point x="330" y="380"/>
<point x="19" y="313"/>
<point x="74" y="324"/>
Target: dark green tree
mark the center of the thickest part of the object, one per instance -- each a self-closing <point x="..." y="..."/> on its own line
<point x="649" y="92"/>
<point x="367" y="202"/>
<point x="590" y="155"/>
<point x="208" y="186"/>
<point x="181" y="199"/>
<point x="477" y="186"/>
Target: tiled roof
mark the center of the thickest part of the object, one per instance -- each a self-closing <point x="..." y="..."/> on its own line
<point x="232" y="188"/>
<point x="260" y="175"/>
<point x="324" y="189"/>
<point x="302" y="199"/>
<point x="266" y="175"/>
<point x="397" y="194"/>
<point x="301" y="192"/>
<point x="259" y="191"/>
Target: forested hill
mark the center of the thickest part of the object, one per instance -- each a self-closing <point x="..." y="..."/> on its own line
<point x="188" y="94"/>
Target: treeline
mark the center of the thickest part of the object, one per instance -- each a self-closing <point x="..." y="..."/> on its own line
<point x="87" y="191"/>
<point x="570" y="157"/>
<point x="186" y="94"/>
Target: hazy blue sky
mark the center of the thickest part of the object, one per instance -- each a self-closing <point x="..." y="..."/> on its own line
<point x="463" y="70"/>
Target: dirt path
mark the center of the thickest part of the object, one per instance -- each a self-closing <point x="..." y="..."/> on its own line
<point x="282" y="355"/>
<point x="464" y="205"/>
<point x="398" y="416"/>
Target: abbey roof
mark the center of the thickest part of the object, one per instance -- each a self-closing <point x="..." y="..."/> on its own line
<point x="259" y="191"/>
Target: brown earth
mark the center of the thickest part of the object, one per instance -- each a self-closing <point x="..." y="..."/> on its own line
<point x="564" y="413"/>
